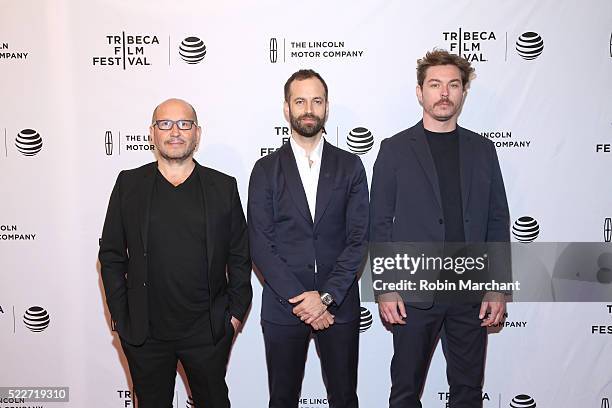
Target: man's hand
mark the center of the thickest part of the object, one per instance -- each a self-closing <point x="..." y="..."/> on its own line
<point x="236" y="323"/>
<point x="495" y="304"/>
<point x="323" y="321"/>
<point x="310" y="307"/>
<point x="391" y="308"/>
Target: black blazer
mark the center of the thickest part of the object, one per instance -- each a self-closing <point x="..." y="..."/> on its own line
<point x="405" y="202"/>
<point x="285" y="242"/>
<point x="123" y="251"/>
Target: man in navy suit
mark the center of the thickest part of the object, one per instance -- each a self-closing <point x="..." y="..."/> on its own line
<point x="308" y="225"/>
<point x="439" y="182"/>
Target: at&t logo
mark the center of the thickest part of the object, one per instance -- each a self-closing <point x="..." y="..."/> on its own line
<point x="529" y="45"/>
<point x="365" y="319"/>
<point x="522" y="401"/>
<point x="36" y="319"/>
<point x="360" y="140"/>
<point x="29" y="142"/>
<point x="192" y="50"/>
<point x="526" y="229"/>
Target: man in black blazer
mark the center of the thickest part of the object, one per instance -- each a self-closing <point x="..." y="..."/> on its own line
<point x="176" y="265"/>
<point x="308" y="222"/>
<point x="438" y="182"/>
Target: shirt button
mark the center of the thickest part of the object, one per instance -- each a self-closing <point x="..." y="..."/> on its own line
<point x="144" y="284"/>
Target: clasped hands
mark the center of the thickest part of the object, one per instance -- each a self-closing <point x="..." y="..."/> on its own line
<point x="311" y="310"/>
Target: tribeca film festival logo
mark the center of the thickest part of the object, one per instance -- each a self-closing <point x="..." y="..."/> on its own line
<point x="443" y="396"/>
<point x="126" y="50"/>
<point x="522" y="401"/>
<point x="127" y="398"/>
<point x="603" y="147"/>
<point x="505" y="139"/>
<point x="114" y="142"/>
<point x="525" y="229"/>
<point x="360" y="140"/>
<point x="283" y="49"/>
<point x="529" y="45"/>
<point x="7" y="54"/>
<point x="192" y="50"/>
<point x="603" y="329"/>
<point x="36" y="319"/>
<point x="279" y="131"/>
<point x="469" y="44"/>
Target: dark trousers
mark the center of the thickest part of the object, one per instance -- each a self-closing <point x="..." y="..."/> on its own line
<point x="153" y="369"/>
<point x="286" y="350"/>
<point x="464" y="345"/>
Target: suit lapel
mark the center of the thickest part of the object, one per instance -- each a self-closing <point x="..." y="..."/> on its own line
<point x="293" y="180"/>
<point x="147" y="195"/>
<point x="326" y="181"/>
<point x="466" y="164"/>
<point x="419" y="144"/>
<point x="208" y="193"/>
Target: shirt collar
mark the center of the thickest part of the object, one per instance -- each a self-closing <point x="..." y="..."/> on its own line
<point x="300" y="153"/>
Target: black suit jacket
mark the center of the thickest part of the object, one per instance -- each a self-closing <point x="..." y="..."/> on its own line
<point x="406" y="205"/>
<point x="123" y="251"/>
<point x="285" y="242"/>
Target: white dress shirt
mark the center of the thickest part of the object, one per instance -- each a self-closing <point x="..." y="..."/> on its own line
<point x="309" y="168"/>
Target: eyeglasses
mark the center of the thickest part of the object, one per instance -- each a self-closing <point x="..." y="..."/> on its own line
<point x="167" y="124"/>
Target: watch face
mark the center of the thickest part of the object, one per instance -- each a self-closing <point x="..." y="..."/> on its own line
<point x="327" y="299"/>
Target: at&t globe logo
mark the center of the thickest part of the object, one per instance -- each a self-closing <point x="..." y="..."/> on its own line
<point x="529" y="45"/>
<point x="522" y="401"/>
<point x="526" y="229"/>
<point x="192" y="50"/>
<point x="365" y="319"/>
<point x="360" y="140"/>
<point x="36" y="319"/>
<point x="28" y="142"/>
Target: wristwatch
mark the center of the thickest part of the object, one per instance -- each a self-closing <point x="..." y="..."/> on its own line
<point x="327" y="299"/>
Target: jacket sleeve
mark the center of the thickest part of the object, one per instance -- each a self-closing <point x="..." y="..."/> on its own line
<point x="239" y="261"/>
<point x="263" y="238"/>
<point x="382" y="200"/>
<point x="114" y="258"/>
<point x="346" y="268"/>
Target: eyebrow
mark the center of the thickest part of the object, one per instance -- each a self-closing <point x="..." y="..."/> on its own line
<point x="438" y="80"/>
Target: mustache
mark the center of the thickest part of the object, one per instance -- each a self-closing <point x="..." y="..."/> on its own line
<point x="444" y="100"/>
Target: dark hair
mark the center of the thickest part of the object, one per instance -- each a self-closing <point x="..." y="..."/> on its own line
<point x="300" y="76"/>
<point x="443" y="57"/>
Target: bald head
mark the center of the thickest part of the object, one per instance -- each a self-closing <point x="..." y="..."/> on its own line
<point x="173" y="103"/>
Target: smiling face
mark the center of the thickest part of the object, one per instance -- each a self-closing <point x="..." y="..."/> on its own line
<point x="307" y="107"/>
<point x="175" y="145"/>
<point x="441" y="94"/>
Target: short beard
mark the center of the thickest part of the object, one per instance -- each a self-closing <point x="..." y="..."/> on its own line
<point x="306" y="131"/>
<point x="180" y="159"/>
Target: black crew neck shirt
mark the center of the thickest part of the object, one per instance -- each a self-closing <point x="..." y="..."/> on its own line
<point x="178" y="270"/>
<point x="444" y="149"/>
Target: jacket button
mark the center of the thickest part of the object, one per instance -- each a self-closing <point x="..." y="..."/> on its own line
<point x="441" y="221"/>
<point x="144" y="284"/>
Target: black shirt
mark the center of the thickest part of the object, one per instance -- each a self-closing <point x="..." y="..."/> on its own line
<point x="178" y="271"/>
<point x="444" y="148"/>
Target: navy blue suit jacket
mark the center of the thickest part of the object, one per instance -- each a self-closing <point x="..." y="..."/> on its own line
<point x="286" y="243"/>
<point x="406" y="205"/>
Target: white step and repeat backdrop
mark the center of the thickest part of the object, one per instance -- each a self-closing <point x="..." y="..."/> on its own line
<point x="79" y="81"/>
